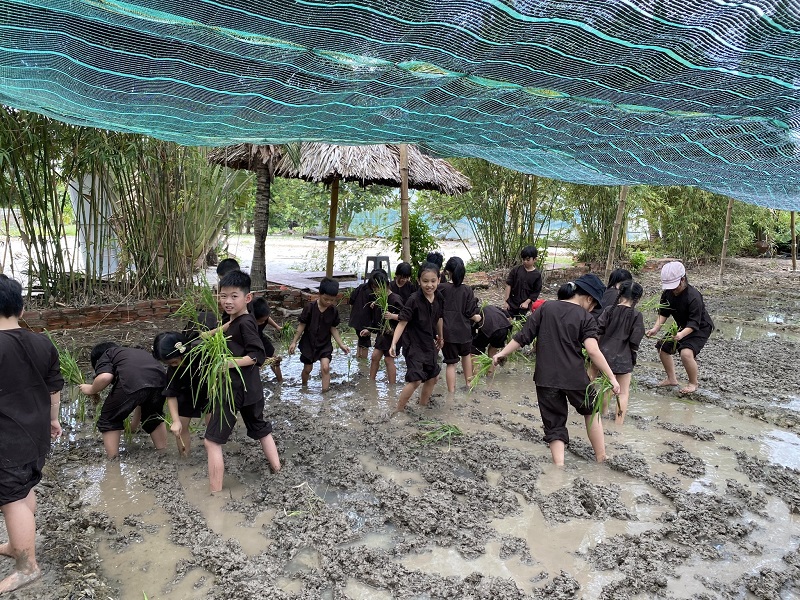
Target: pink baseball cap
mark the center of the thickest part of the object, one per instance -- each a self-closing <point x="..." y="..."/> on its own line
<point x="671" y="274"/>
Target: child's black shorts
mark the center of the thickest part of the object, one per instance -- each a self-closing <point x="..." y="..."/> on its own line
<point x="187" y="407"/>
<point x="118" y="405"/>
<point x="364" y="341"/>
<point x="481" y="342"/>
<point x="453" y="352"/>
<point x="17" y="482"/>
<point x="308" y="361"/>
<point x="694" y="342"/>
<point x="421" y="365"/>
<point x="554" y="409"/>
<point x="221" y="425"/>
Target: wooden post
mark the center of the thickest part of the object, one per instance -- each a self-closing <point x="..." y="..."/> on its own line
<point x="332" y="226"/>
<point x="725" y="239"/>
<point x="404" y="216"/>
<point x="794" y="244"/>
<point x="612" y="247"/>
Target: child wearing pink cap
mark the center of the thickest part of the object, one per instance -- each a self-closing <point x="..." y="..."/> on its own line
<point x="684" y="304"/>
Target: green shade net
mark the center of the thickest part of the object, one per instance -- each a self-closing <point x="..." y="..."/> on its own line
<point x="691" y="92"/>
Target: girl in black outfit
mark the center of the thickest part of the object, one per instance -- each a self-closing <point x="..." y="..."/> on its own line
<point x="562" y="329"/>
<point x="383" y="339"/>
<point x="621" y="329"/>
<point x="460" y="312"/>
<point x="523" y="284"/>
<point x="402" y="284"/>
<point x="420" y="325"/>
<point x="617" y="277"/>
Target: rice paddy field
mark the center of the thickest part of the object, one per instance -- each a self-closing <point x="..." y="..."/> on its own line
<point x="700" y="496"/>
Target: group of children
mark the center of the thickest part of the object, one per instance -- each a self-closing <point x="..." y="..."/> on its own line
<point x="440" y="313"/>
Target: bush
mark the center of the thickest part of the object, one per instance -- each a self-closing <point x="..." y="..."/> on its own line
<point x="422" y="240"/>
<point x="638" y="260"/>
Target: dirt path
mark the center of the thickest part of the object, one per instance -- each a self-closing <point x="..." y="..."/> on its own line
<point x="700" y="497"/>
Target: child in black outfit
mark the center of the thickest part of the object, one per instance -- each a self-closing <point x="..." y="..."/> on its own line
<point x="617" y="277"/>
<point x="621" y="329"/>
<point x="383" y="340"/>
<point x="318" y="322"/>
<point x="561" y="329"/>
<point x="362" y="303"/>
<point x="259" y="307"/>
<point x="492" y="331"/>
<point x="29" y="404"/>
<point x="138" y="381"/>
<point x="523" y="284"/>
<point x="402" y="284"/>
<point x="186" y="397"/>
<point x="421" y="327"/>
<point x="684" y="304"/>
<point x="245" y="344"/>
<point x="460" y="313"/>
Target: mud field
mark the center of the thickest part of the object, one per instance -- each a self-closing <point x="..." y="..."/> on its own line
<point x="700" y="497"/>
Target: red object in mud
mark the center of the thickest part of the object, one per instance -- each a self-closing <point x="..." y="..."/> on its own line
<point x="537" y="304"/>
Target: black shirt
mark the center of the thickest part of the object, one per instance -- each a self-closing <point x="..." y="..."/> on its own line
<point x="405" y="291"/>
<point x="244" y="340"/>
<point x="133" y="369"/>
<point x="362" y="313"/>
<point x="315" y="342"/>
<point x="182" y="383"/>
<point x="494" y="319"/>
<point x="30" y="373"/>
<point x="524" y="285"/>
<point x="688" y="310"/>
<point x="460" y="305"/>
<point x="560" y="329"/>
<point x="422" y="319"/>
<point x="621" y="329"/>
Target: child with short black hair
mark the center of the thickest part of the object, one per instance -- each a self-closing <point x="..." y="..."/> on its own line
<point x="244" y="342"/>
<point x="684" y="304"/>
<point x="362" y="312"/>
<point x="460" y="313"/>
<point x="259" y="307"/>
<point x="29" y="405"/>
<point x="561" y="330"/>
<point x="227" y="265"/>
<point x="437" y="258"/>
<point x="523" y="284"/>
<point x="421" y="328"/>
<point x="621" y="329"/>
<point x="383" y="340"/>
<point x="402" y="284"/>
<point x="137" y="381"/>
<point x="186" y="397"/>
<point x="317" y="324"/>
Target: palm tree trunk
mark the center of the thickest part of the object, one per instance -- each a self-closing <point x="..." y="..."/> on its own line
<point x="258" y="270"/>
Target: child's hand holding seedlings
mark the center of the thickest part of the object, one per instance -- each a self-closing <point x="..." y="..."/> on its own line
<point x="439" y="342"/>
<point x="292" y="347"/>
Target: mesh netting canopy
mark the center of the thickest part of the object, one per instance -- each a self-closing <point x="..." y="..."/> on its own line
<point x="690" y="92"/>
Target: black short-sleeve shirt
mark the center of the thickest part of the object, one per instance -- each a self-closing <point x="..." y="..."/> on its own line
<point x="362" y="310"/>
<point x="494" y="319"/>
<point x="405" y="291"/>
<point x="560" y="329"/>
<point x="422" y="322"/>
<point x="315" y="343"/>
<point x="244" y="340"/>
<point x="688" y="309"/>
<point x="460" y="305"/>
<point x="524" y="285"/>
<point x="395" y="306"/>
<point x="621" y="329"/>
<point x="183" y="383"/>
<point x="29" y="373"/>
<point x="133" y="369"/>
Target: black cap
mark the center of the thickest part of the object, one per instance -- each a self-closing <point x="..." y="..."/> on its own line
<point x="591" y="284"/>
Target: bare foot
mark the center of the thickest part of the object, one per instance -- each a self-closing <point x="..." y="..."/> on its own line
<point x="5" y="550"/>
<point x="667" y="383"/>
<point x="689" y="389"/>
<point x="17" y="579"/>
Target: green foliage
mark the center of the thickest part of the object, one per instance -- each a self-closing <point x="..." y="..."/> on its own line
<point x="440" y="432"/>
<point x="638" y="259"/>
<point x="602" y="388"/>
<point x="422" y="240"/>
<point x="210" y="361"/>
<point x="287" y="334"/>
<point x="68" y="363"/>
<point x="651" y="303"/>
<point x="482" y="364"/>
<point x="595" y="207"/>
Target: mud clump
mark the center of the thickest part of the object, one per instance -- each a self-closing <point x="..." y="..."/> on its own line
<point x="782" y="482"/>
<point x="688" y="465"/>
<point x="698" y="433"/>
<point x="584" y="499"/>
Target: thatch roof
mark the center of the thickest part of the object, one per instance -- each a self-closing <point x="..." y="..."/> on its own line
<point x="368" y="165"/>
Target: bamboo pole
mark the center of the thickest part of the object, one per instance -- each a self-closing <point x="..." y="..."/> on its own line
<point x="332" y="226"/>
<point x="404" y="216"/>
<point x="623" y="195"/>
<point x="794" y="244"/>
<point x="725" y="238"/>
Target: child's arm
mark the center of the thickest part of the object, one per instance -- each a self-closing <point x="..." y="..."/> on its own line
<point x="599" y="361"/>
<point x="509" y="349"/>
<point x="101" y="382"/>
<point x="659" y="322"/>
<point x="335" y="334"/>
<point x="507" y="296"/>
<point x="271" y="322"/>
<point x="210" y="332"/>
<point x="55" y="406"/>
<point x="172" y="406"/>
<point x="398" y="333"/>
<point x="242" y="361"/>
<point x="301" y="327"/>
<point x="440" y="333"/>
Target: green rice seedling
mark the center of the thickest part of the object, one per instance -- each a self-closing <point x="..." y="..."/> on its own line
<point x="211" y="359"/>
<point x="650" y="304"/>
<point x="481" y="365"/>
<point x="198" y="299"/>
<point x="517" y="323"/>
<point x="440" y="432"/>
<point x="672" y="330"/>
<point x="127" y="431"/>
<point x="602" y="388"/>
<point x="382" y="302"/>
<point x="68" y="363"/>
<point x="287" y="334"/>
<point x="311" y="501"/>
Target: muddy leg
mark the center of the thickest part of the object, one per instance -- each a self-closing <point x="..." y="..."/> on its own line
<point x="362" y="352"/>
<point x="136" y="419"/>
<point x="21" y="526"/>
<point x="690" y="364"/>
<point x="427" y="390"/>
<point x="557" y="452"/>
<point x="375" y="363"/>
<point x="159" y="436"/>
<point x="305" y="374"/>
<point x="623" y="397"/>
<point x="594" y="428"/>
<point x="276" y="369"/>
<point x="491" y="352"/>
<point x="216" y="465"/>
<point x="405" y="395"/>
<point x="111" y="443"/>
<point x="325" y="372"/>
<point x="669" y="369"/>
<point x="466" y="364"/>
<point x="271" y="452"/>
<point x="391" y="369"/>
<point x="450" y="377"/>
<point x="185" y="437"/>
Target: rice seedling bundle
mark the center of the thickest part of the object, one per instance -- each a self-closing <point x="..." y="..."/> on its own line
<point x="211" y="359"/>
<point x="517" y="323"/>
<point x="481" y="365"/>
<point x="198" y="299"/>
<point x="68" y="363"/>
<point x="440" y="432"/>
<point x="596" y="392"/>
<point x="672" y="330"/>
<point x="382" y="302"/>
<point x="651" y="303"/>
<point x="287" y="334"/>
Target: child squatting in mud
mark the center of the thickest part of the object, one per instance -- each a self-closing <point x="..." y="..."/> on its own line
<point x="561" y="329"/>
<point x="29" y="403"/>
